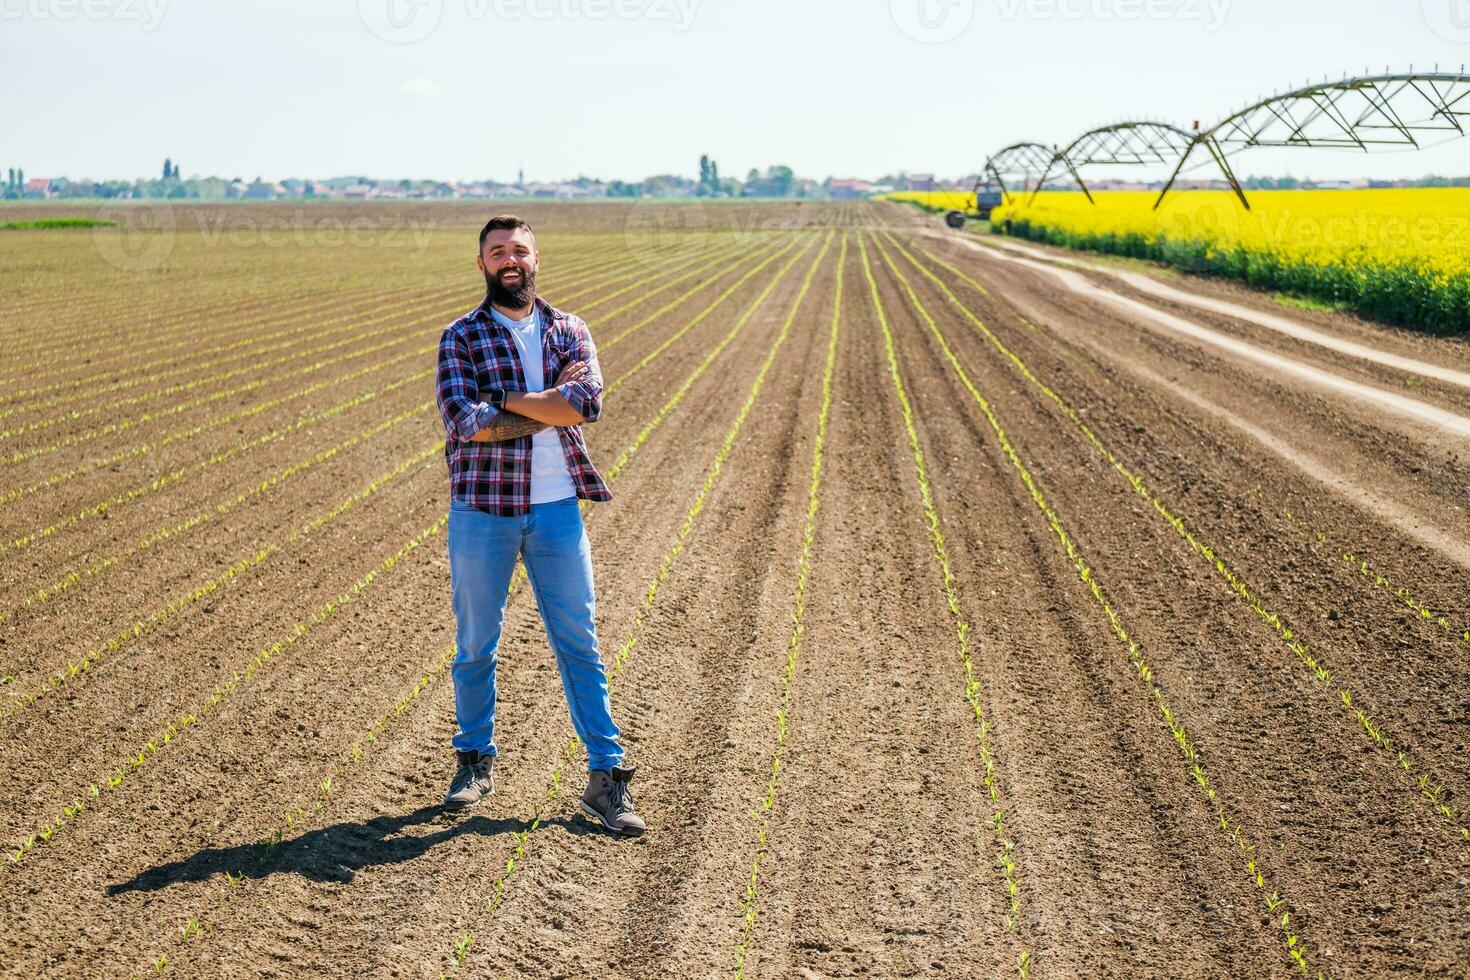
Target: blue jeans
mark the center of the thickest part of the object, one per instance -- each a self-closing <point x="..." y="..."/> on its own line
<point x="482" y="555"/>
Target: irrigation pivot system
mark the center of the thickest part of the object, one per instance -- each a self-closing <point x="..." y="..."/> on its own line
<point x="1121" y="144"/>
<point x="1023" y="161"/>
<point x="1370" y="112"/>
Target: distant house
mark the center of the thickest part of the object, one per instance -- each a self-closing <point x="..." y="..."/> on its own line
<point x="236" y="189"/>
<point x="262" y="191"/>
<point x="39" y="187"/>
<point x="1354" y="184"/>
<point x="848" y="188"/>
<point x="357" y="192"/>
<point x="921" y="182"/>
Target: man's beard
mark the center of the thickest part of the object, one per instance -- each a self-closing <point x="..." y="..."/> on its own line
<point x="513" y="297"/>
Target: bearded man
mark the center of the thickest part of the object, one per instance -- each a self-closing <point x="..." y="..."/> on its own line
<point x="516" y="380"/>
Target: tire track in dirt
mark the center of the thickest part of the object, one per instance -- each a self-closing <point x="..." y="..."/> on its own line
<point x="1240" y="313"/>
<point x="1327" y="799"/>
<point x="1251" y="858"/>
<point x="1370" y="447"/>
<point x="1413" y="409"/>
<point x="1370" y="722"/>
<point x="1089" y="775"/>
<point x="1253" y="525"/>
<point x="1260" y="504"/>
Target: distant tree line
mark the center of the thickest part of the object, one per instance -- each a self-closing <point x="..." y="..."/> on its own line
<point x="1307" y="183"/>
<point x="777" y="181"/>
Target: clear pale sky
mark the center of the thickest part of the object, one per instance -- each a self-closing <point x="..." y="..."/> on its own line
<point x="629" y="88"/>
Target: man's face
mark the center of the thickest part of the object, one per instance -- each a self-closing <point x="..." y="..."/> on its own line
<point x="509" y="261"/>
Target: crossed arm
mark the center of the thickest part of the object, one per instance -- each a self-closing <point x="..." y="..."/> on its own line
<point x="573" y="398"/>
<point x="527" y="413"/>
<point x="506" y="426"/>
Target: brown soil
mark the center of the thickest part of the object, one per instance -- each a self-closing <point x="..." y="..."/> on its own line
<point x="275" y="837"/>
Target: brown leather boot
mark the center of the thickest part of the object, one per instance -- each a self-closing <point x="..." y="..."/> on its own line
<point x="474" y="780"/>
<point x="608" y="801"/>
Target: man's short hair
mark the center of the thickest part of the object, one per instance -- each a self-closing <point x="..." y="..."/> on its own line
<point x="503" y="222"/>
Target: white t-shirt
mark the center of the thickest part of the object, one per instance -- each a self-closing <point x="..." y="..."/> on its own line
<point x="550" y="478"/>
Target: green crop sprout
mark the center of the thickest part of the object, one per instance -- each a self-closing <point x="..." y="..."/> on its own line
<point x="462" y="948"/>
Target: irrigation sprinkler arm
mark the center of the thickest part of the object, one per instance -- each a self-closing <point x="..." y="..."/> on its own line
<point x="1005" y="194"/>
<point x="1078" y="178"/>
<point x="1219" y="156"/>
<point x="1044" y="175"/>
<point x="1178" y="169"/>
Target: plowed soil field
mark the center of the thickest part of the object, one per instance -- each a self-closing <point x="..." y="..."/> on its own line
<point x="970" y="608"/>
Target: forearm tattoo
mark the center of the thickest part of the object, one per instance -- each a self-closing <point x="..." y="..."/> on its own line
<point x="506" y="426"/>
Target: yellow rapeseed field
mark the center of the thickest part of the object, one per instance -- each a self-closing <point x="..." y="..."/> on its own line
<point x="1400" y="255"/>
<point x="936" y="200"/>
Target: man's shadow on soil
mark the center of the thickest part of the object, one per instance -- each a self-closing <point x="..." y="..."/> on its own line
<point x="338" y="852"/>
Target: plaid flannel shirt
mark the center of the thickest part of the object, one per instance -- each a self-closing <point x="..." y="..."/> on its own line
<point x="477" y="354"/>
